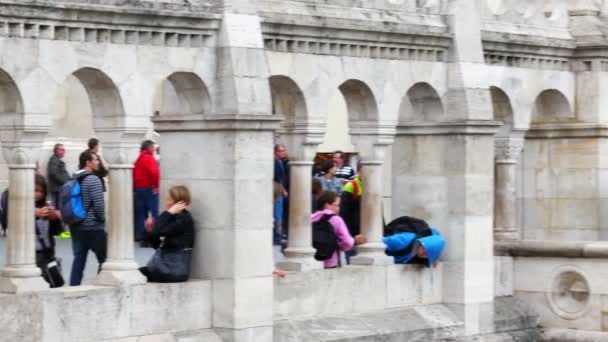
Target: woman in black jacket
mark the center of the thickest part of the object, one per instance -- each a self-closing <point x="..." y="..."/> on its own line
<point x="172" y="235"/>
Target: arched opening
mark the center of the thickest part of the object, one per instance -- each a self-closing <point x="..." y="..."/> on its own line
<point x="502" y="110"/>
<point x="84" y="96"/>
<point x="10" y="105"/>
<point x="287" y="99"/>
<point x="183" y="93"/>
<point x="360" y="101"/>
<point x="414" y="168"/>
<point x="421" y="103"/>
<point x="551" y="106"/>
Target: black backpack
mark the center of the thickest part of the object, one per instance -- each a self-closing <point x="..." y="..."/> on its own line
<point x="407" y="224"/>
<point x="324" y="239"/>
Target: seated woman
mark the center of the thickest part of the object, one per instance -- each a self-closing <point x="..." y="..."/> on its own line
<point x="172" y="235"/>
<point x="328" y="208"/>
<point x="412" y="241"/>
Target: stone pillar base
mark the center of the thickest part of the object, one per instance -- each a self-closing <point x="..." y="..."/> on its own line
<point x="119" y="274"/>
<point x="506" y="234"/>
<point x="300" y="260"/>
<point x="371" y="254"/>
<point x="19" y="285"/>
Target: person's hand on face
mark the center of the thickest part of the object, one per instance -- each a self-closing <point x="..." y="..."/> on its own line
<point x="177" y="208"/>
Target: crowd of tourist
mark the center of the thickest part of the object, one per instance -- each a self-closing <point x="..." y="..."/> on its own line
<point x="336" y="195"/>
<point x="73" y="206"/>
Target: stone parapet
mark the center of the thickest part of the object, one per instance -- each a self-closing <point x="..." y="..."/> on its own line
<point x="554" y="249"/>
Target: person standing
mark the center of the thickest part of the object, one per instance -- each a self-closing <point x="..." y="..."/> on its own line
<point x="328" y="179"/>
<point x="101" y="172"/>
<point x="343" y="172"/>
<point x="146" y="181"/>
<point x="56" y="172"/>
<point x="90" y="234"/>
<point x="280" y="177"/>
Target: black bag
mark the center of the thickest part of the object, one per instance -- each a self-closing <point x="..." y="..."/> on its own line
<point x="406" y="224"/>
<point x="52" y="273"/>
<point x="324" y="239"/>
<point x="51" y="266"/>
<point x="169" y="265"/>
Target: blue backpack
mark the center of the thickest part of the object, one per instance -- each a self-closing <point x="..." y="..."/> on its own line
<point x="70" y="201"/>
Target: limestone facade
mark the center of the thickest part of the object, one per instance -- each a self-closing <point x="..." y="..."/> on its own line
<point x="483" y="117"/>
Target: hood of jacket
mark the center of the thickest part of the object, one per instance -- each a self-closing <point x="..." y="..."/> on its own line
<point x="317" y="215"/>
<point x="433" y="245"/>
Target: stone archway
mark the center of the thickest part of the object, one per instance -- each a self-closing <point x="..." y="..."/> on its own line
<point x="552" y="106"/>
<point x="418" y="184"/>
<point x="421" y="103"/>
<point x="183" y="93"/>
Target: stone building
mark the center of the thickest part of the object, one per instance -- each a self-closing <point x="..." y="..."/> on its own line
<point x="483" y="117"/>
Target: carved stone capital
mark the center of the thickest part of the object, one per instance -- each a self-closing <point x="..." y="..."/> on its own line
<point x="22" y="154"/>
<point x="508" y="150"/>
<point x="120" y="147"/>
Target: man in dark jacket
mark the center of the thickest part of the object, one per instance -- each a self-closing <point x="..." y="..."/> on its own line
<point x="280" y="177"/>
<point x="56" y="172"/>
<point x="90" y="234"/>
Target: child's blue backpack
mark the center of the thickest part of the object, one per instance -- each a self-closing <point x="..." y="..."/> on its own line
<point x="70" y="201"/>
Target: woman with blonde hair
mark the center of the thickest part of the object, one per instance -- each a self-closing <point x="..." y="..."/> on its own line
<point x="173" y="238"/>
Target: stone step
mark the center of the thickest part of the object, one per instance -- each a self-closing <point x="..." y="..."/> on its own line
<point x="507" y="319"/>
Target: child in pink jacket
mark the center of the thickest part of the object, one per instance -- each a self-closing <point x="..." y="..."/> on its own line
<point x="328" y="203"/>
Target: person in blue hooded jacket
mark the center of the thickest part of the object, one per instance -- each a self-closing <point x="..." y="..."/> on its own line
<point x="410" y="242"/>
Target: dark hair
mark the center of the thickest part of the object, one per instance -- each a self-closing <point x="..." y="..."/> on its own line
<point x="277" y="146"/>
<point x="317" y="187"/>
<point x="327" y="165"/>
<point x="84" y="158"/>
<point x="326" y="197"/>
<point x="93" y="142"/>
<point x="146" y="144"/>
<point x="40" y="181"/>
<point x="341" y="153"/>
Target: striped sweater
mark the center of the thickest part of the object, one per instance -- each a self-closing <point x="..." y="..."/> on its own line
<point x="91" y="191"/>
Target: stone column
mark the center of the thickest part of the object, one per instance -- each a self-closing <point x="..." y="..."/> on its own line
<point x="299" y="253"/>
<point x="372" y="252"/>
<point x="21" y="273"/>
<point x="507" y="152"/>
<point x="120" y="268"/>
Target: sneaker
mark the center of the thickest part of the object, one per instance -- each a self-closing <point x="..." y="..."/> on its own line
<point x="65" y="235"/>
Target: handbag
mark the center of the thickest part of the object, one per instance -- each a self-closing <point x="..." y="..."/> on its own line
<point x="51" y="271"/>
<point x="170" y="265"/>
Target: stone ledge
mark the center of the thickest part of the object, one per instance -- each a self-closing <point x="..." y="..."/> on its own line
<point x="93" y="313"/>
<point x="507" y="319"/>
<point x="557" y="249"/>
<point x="567" y="130"/>
<point x="355" y="289"/>
<point x="464" y="127"/>
<point x="571" y="335"/>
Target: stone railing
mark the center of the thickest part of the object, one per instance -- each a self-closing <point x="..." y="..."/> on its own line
<point x="539" y="16"/>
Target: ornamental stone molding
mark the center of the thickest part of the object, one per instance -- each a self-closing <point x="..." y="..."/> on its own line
<point x="508" y="150"/>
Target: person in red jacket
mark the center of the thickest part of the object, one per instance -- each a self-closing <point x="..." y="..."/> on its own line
<point x="146" y="180"/>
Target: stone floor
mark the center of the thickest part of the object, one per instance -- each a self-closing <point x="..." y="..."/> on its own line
<point x="63" y="250"/>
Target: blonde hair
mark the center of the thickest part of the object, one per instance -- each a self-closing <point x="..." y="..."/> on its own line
<point x="180" y="193"/>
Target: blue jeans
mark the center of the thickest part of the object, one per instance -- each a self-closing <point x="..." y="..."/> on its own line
<point x="82" y="242"/>
<point x="278" y="220"/>
<point x="145" y="202"/>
